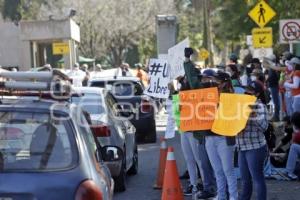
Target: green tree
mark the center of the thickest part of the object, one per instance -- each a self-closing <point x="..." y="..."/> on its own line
<point x="231" y="22"/>
<point x="16" y="10"/>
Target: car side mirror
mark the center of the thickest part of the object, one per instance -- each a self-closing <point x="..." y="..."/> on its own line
<point x="126" y="113"/>
<point x="111" y="153"/>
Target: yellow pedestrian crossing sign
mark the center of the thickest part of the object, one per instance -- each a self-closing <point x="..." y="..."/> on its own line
<point x="203" y="54"/>
<point x="60" y="48"/>
<point x="262" y="13"/>
<point x="262" y="37"/>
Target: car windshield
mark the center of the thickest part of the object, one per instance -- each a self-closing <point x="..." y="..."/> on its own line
<point x="92" y="103"/>
<point x="120" y="88"/>
<point x="35" y="142"/>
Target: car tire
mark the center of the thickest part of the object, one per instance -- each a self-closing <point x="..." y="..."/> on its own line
<point x="135" y="162"/>
<point x="120" y="181"/>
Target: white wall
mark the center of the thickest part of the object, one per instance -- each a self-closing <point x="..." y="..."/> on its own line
<point x="50" y="30"/>
<point x="15" y="40"/>
<point x="10" y="44"/>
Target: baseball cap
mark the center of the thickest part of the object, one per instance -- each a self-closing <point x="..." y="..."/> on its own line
<point x="294" y="61"/>
<point x="233" y="57"/>
<point x="209" y="73"/>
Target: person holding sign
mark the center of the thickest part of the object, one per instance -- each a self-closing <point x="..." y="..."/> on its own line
<point x="220" y="149"/>
<point x="192" y="81"/>
<point x="251" y="144"/>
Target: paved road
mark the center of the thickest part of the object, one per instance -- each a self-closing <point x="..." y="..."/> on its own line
<point x="139" y="187"/>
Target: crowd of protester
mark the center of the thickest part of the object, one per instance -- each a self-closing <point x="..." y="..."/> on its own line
<point x="276" y="84"/>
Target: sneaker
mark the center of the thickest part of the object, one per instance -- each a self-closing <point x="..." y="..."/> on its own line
<point x="205" y="195"/>
<point x="291" y="176"/>
<point x="185" y="175"/>
<point x="288" y="176"/>
<point x="200" y="187"/>
<point x="188" y="191"/>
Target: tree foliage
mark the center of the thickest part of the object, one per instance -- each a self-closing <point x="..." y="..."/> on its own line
<point x="110" y="27"/>
<point x="232" y="23"/>
<point x="16" y="10"/>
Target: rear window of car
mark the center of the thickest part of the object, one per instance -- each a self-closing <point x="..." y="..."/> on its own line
<point x="35" y="142"/>
<point x="120" y="88"/>
<point x="92" y="103"/>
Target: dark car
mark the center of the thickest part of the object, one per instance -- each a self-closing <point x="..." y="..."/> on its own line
<point x="111" y="129"/>
<point x="140" y="108"/>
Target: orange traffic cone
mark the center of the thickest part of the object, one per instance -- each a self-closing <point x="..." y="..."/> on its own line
<point x="172" y="189"/>
<point x="162" y="164"/>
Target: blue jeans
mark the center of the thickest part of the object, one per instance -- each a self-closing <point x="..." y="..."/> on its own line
<point x="288" y="97"/>
<point x="251" y="165"/>
<point x="276" y="101"/>
<point x="195" y="155"/>
<point x="206" y="170"/>
<point x="293" y="158"/>
<point x="296" y="104"/>
<point x="221" y="157"/>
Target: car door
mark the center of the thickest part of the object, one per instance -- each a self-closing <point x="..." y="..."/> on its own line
<point x="102" y="172"/>
<point x="125" y="126"/>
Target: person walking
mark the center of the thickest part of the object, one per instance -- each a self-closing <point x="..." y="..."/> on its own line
<point x="252" y="147"/>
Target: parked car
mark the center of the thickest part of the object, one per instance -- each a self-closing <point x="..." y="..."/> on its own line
<point x="48" y="151"/>
<point x="128" y="92"/>
<point x="111" y="128"/>
<point x="45" y="157"/>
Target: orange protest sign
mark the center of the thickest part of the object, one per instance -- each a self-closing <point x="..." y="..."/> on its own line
<point x="198" y="109"/>
<point x="233" y="114"/>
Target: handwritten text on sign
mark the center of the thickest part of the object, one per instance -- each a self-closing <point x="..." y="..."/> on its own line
<point x="159" y="79"/>
<point x="198" y="109"/>
<point x="176" y="59"/>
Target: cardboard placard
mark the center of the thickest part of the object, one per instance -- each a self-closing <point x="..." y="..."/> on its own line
<point x="233" y="114"/>
<point x="198" y="109"/>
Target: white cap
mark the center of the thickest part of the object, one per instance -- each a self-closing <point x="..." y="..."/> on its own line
<point x="294" y="61"/>
<point x="99" y="66"/>
<point x="76" y="65"/>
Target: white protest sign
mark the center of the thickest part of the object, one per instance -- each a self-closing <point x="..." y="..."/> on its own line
<point x="163" y="56"/>
<point x="159" y="79"/>
<point x="176" y="59"/>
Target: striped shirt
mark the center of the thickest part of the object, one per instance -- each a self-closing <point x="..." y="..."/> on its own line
<point x="252" y="137"/>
